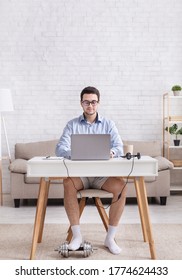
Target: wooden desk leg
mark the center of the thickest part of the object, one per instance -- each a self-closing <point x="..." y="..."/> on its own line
<point x="146" y="217"/>
<point x="137" y="188"/>
<point x="1" y="185"/>
<point x="44" y="210"/>
<point x="39" y="215"/>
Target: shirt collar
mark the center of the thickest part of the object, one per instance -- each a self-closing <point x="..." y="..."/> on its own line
<point x="98" y="118"/>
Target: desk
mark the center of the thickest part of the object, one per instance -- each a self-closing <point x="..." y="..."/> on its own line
<point x="119" y="167"/>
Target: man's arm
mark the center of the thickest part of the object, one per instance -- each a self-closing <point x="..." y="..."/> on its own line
<point x="63" y="148"/>
<point x="116" y="142"/>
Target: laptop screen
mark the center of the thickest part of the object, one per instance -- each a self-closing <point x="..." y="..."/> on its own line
<point x="90" y="146"/>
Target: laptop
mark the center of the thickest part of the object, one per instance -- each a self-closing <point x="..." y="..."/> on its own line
<point x="90" y="146"/>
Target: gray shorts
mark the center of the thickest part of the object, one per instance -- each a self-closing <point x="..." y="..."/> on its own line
<point x="93" y="182"/>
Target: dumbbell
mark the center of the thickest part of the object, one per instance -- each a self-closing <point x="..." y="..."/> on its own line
<point x="85" y="247"/>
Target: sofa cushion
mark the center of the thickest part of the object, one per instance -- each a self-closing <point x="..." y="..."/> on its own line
<point x="18" y="166"/>
<point x="31" y="180"/>
<point x="29" y="150"/>
<point x="36" y="180"/>
<point x="150" y="179"/>
<point x="149" y="148"/>
<point x="164" y="163"/>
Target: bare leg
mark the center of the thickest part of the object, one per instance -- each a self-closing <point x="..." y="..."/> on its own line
<point x="71" y="187"/>
<point x="114" y="186"/>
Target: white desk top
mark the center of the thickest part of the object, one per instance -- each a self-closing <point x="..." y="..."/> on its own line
<point x="59" y="167"/>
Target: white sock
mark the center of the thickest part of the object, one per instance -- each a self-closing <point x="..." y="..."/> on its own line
<point x="77" y="238"/>
<point x="110" y="242"/>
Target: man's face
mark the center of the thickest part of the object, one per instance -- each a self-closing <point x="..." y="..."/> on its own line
<point x="89" y="104"/>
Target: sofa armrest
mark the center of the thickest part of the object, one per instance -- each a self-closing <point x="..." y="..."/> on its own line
<point x="18" y="166"/>
<point x="164" y="163"/>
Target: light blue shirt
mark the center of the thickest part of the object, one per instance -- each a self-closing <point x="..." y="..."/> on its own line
<point x="81" y="126"/>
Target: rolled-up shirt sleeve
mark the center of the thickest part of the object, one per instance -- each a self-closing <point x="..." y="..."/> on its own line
<point x="63" y="148"/>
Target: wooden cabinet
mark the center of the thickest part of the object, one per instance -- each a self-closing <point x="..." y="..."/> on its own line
<point x="172" y="116"/>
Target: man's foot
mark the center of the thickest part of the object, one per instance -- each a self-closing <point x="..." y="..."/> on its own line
<point x="110" y="240"/>
<point x="75" y="243"/>
<point x="77" y="238"/>
<point x="112" y="246"/>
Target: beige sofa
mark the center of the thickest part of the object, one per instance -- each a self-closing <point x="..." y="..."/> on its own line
<point x="23" y="187"/>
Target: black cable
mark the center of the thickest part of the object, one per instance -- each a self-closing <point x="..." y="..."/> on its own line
<point x="119" y="196"/>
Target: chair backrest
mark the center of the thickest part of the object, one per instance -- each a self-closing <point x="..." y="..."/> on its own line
<point x="91" y="193"/>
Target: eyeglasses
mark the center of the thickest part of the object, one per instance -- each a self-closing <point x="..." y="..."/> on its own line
<point x="87" y="103"/>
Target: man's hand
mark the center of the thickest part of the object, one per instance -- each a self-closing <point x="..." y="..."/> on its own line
<point x="111" y="154"/>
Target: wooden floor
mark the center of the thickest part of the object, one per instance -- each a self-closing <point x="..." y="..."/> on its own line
<point x="171" y="213"/>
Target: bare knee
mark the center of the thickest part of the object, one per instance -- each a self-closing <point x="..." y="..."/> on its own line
<point x="120" y="187"/>
<point x="115" y="186"/>
<point x="67" y="182"/>
<point x="72" y="185"/>
<point x="68" y="186"/>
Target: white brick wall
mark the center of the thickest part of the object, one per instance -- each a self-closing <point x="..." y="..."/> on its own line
<point x="50" y="50"/>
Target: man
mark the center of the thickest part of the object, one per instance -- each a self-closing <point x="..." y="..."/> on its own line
<point x="91" y="122"/>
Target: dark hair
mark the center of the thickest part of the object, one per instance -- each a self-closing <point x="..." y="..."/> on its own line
<point x="90" y="90"/>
